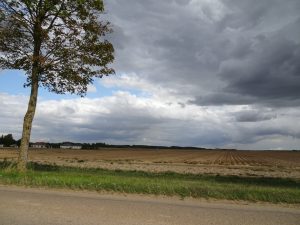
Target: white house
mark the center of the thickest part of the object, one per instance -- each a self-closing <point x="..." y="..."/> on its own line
<point x="39" y="145"/>
<point x="69" y="145"/>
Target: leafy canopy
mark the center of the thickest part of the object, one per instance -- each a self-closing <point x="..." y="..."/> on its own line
<point x="62" y="39"/>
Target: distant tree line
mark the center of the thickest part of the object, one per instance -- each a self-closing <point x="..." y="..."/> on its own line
<point x="99" y="145"/>
<point x="8" y="140"/>
<point x="95" y="146"/>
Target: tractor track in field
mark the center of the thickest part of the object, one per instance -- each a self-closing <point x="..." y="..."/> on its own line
<point x="223" y="162"/>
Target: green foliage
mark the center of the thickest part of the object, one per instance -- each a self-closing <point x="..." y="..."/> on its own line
<point x="7" y="140"/>
<point x="62" y="40"/>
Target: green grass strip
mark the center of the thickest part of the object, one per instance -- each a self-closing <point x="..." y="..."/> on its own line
<point x="274" y="190"/>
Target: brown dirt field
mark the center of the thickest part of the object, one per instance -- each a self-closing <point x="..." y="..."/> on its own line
<point x="223" y="162"/>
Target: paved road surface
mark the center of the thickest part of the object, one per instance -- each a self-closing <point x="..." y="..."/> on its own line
<point x="20" y="206"/>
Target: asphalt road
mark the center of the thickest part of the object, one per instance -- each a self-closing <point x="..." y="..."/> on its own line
<point x="20" y="206"/>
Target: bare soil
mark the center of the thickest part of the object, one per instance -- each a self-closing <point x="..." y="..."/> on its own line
<point x="223" y="162"/>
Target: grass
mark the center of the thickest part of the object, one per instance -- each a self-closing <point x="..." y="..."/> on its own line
<point x="274" y="190"/>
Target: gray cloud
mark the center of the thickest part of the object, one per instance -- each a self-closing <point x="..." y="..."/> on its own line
<point x="253" y="116"/>
<point x="273" y="72"/>
<point x="269" y="76"/>
<point x="225" y="52"/>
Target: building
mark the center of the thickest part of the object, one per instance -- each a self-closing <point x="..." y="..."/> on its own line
<point x="69" y="145"/>
<point x="39" y="145"/>
<point x="1" y="146"/>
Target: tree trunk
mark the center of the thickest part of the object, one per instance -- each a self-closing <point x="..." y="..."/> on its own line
<point x="28" y="118"/>
<point x="27" y="124"/>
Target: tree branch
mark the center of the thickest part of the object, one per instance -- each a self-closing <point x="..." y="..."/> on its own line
<point x="55" y="17"/>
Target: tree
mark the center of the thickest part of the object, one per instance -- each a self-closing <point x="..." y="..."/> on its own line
<point x="60" y="44"/>
<point x="7" y="140"/>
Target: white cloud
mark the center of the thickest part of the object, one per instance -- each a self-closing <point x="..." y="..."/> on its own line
<point x="125" y="118"/>
<point x="91" y="88"/>
<point x="13" y="108"/>
<point x="143" y="87"/>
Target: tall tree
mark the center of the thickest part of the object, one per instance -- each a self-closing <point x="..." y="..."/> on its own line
<point x="59" y="43"/>
<point x="8" y="140"/>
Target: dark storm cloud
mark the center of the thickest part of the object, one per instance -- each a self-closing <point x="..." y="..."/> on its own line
<point x="273" y="72"/>
<point x="253" y="116"/>
<point x="245" y="14"/>
<point x="226" y="52"/>
<point x="167" y="44"/>
<point x="269" y="76"/>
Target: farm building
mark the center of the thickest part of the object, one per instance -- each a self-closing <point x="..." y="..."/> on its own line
<point x="69" y="145"/>
<point x="39" y="145"/>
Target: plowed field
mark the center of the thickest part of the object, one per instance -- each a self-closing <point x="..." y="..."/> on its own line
<point x="225" y="162"/>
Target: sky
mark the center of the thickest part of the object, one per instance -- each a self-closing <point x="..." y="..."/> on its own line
<point x="205" y="73"/>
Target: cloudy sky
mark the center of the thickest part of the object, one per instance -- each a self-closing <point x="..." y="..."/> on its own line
<point x="208" y="73"/>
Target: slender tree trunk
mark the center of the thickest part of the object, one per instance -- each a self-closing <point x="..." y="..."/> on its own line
<point x="27" y="124"/>
<point x="28" y="118"/>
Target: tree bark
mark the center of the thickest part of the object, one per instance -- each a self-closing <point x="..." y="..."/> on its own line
<point x="27" y="124"/>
